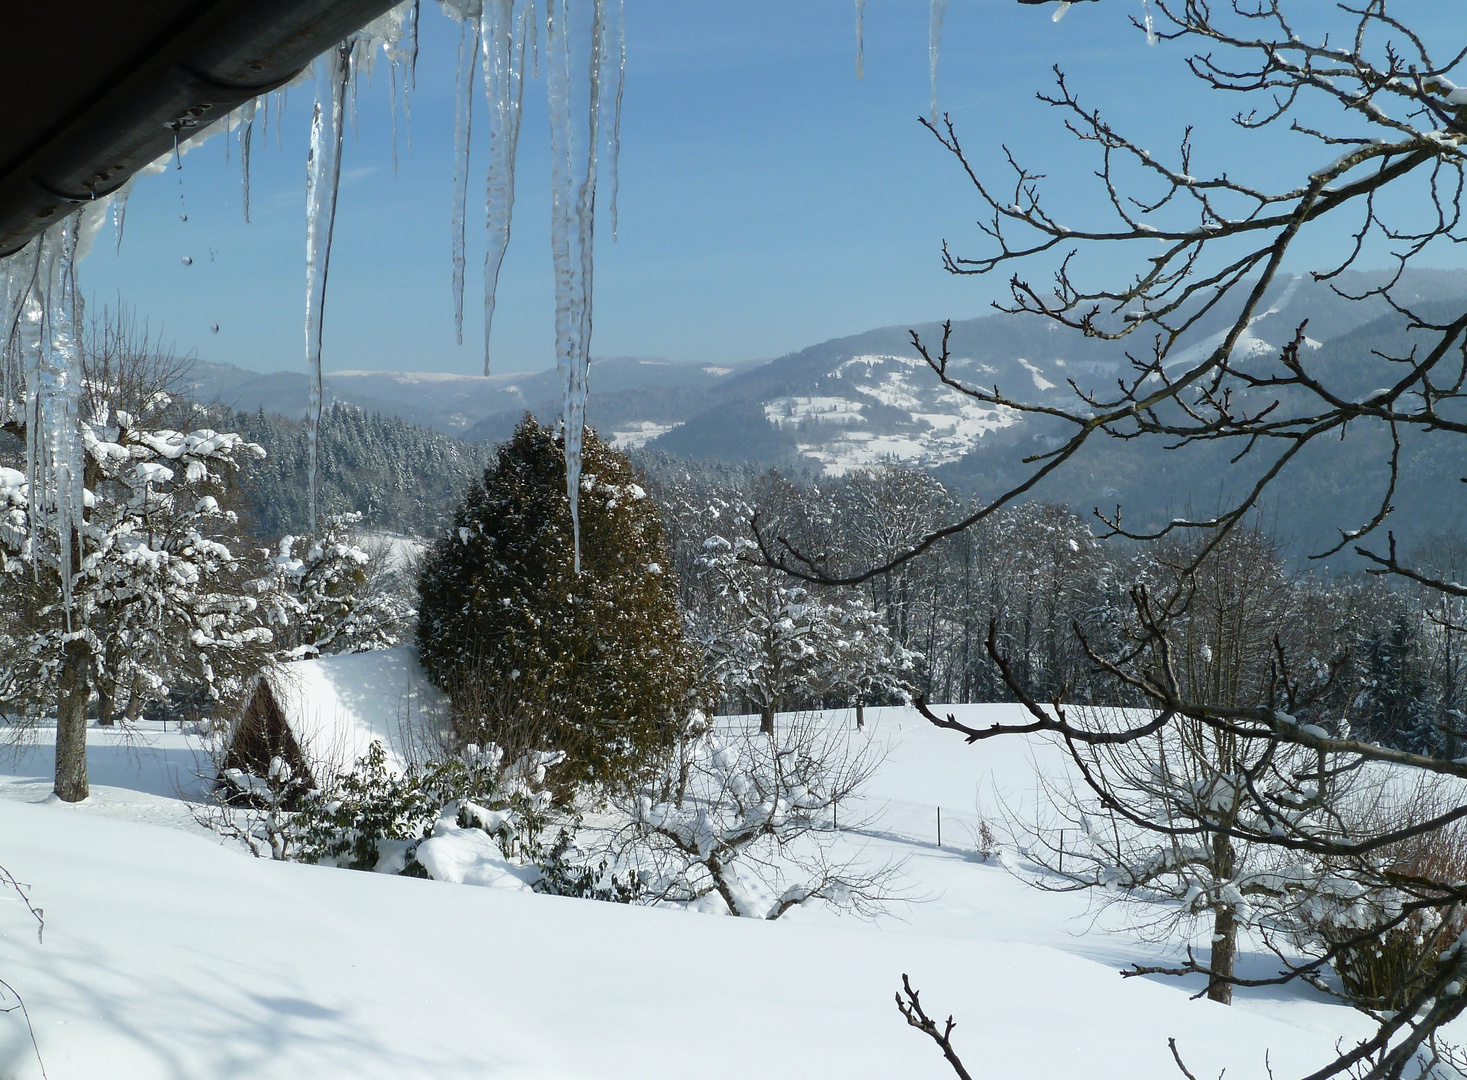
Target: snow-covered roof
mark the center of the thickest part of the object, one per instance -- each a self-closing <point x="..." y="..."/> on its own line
<point x="337" y="705"/>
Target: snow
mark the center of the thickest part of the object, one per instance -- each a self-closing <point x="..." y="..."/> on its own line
<point x="168" y="954"/>
<point x="640" y="434"/>
<point x="338" y="705"/>
<point x="1040" y="382"/>
<point x="1248" y="344"/>
<point x="471" y="857"/>
<point x="941" y="424"/>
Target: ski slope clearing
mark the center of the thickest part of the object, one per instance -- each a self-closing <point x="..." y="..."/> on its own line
<point x="167" y="954"/>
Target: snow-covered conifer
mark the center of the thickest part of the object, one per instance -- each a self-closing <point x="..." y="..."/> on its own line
<point x="596" y="663"/>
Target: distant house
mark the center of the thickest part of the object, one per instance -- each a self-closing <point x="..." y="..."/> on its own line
<point x="321" y="716"/>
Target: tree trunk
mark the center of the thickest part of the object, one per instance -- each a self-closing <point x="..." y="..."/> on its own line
<point x="766" y="720"/>
<point x="106" y="709"/>
<point x="860" y="715"/>
<point x="135" y="703"/>
<point x="1224" y="953"/>
<point x="71" y="726"/>
<point x="1224" y="928"/>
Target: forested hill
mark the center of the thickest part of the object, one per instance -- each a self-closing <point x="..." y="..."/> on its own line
<point x="401" y="477"/>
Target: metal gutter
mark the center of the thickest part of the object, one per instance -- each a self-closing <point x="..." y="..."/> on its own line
<point x="105" y="87"/>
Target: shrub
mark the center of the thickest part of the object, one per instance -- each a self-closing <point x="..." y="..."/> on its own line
<point x="1384" y="966"/>
<point x="597" y="661"/>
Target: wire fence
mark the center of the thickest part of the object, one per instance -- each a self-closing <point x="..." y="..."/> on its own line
<point x="922" y="824"/>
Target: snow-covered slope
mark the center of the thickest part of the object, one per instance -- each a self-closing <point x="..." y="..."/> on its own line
<point x="168" y="955"/>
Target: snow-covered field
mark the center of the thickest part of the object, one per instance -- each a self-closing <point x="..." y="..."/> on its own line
<point x="169" y="955"/>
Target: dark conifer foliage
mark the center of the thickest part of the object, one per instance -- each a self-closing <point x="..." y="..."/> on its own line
<point x="400" y="477"/>
<point x="594" y="663"/>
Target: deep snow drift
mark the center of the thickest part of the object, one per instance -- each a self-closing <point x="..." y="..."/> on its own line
<point x="167" y="954"/>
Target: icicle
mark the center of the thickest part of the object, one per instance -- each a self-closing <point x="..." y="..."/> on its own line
<point x="40" y="294"/>
<point x="503" y="35"/>
<point x="534" y="45"/>
<point x="390" y="30"/>
<point x="393" y="73"/>
<point x="1150" y="22"/>
<point x="574" y="51"/>
<point x="60" y="398"/>
<point x="246" y="132"/>
<point x="119" y="207"/>
<point x="468" y="54"/>
<point x="618" y="74"/>
<point x="410" y="47"/>
<point x="31" y="328"/>
<point x="19" y="275"/>
<point x="860" y="39"/>
<point x="323" y="173"/>
<point x="1059" y="12"/>
<point x="410" y="75"/>
<point x="934" y="46"/>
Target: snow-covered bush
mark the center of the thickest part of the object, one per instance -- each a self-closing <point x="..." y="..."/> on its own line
<point x="1385" y="943"/>
<point x="325" y="595"/>
<point x="258" y="811"/>
<point x="477" y="818"/>
<point x="594" y="659"/>
<point x="377" y="818"/>
<point x="745" y="822"/>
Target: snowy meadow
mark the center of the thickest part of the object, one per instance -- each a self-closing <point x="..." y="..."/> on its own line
<point x="168" y="952"/>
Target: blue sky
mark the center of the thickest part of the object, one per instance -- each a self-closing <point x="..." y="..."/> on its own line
<point x="769" y="200"/>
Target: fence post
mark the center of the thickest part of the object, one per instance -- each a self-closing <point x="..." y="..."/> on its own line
<point x="939" y="826"/>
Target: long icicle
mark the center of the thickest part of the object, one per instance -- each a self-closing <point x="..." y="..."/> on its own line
<point x="503" y="34"/>
<point x="860" y="39"/>
<point x="468" y="57"/>
<point x="573" y="204"/>
<point x="36" y="271"/>
<point x="618" y="73"/>
<point x="323" y="175"/>
<point x="410" y="73"/>
<point x="60" y="393"/>
<point x="934" y="46"/>
<point x="246" y="135"/>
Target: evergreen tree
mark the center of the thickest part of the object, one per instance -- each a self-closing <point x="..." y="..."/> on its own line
<point x="594" y="663"/>
<point x="1398" y="706"/>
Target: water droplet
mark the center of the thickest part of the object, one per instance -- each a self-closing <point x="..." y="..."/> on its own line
<point x="214" y="327"/>
<point x="187" y="261"/>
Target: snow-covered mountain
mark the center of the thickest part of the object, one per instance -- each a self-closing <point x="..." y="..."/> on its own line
<point x="471" y="406"/>
<point x="842" y="404"/>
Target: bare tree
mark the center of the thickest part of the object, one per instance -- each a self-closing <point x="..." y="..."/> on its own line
<point x="751" y="819"/>
<point x="1384" y="127"/>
